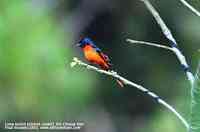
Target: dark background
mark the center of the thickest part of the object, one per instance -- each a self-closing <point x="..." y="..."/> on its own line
<point x="37" y="44"/>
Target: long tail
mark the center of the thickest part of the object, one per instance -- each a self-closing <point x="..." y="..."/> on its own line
<point x="108" y="67"/>
<point x="121" y="84"/>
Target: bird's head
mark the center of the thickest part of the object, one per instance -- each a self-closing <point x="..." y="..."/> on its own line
<point x="85" y="41"/>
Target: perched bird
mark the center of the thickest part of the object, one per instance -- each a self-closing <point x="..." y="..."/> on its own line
<point x="95" y="56"/>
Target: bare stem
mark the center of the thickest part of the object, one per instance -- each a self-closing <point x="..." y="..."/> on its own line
<point x="175" y="50"/>
<point x="184" y="2"/>
<point x="149" y="44"/>
<point x="173" y="43"/>
<point x="159" y="20"/>
<point x="113" y="74"/>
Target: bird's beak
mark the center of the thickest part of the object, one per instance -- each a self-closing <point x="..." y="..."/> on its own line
<point x="78" y="45"/>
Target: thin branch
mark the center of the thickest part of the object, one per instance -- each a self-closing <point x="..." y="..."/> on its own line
<point x="149" y="44"/>
<point x="185" y="3"/>
<point x="113" y="74"/>
<point x="159" y="20"/>
<point x="176" y="51"/>
<point x="173" y="43"/>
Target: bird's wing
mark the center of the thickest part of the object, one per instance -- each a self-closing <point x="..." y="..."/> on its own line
<point x="102" y="55"/>
<point x="105" y="58"/>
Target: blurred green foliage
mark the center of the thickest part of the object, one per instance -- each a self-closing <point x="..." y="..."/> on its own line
<point x="36" y="81"/>
<point x="195" y="110"/>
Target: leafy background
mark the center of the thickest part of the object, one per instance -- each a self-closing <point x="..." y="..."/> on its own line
<point x="195" y="119"/>
<point x="37" y="43"/>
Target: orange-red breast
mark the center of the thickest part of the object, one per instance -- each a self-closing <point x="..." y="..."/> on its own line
<point x="94" y="55"/>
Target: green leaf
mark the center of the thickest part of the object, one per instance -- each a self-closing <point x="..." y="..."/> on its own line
<point x="195" y="106"/>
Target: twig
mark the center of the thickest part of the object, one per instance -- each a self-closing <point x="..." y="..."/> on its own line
<point x="184" y="2"/>
<point x="149" y="44"/>
<point x="127" y="82"/>
<point x="159" y="20"/>
<point x="173" y="43"/>
<point x="176" y="51"/>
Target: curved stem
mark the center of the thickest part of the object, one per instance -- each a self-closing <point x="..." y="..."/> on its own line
<point x="190" y="7"/>
<point x="113" y="74"/>
<point x="149" y="44"/>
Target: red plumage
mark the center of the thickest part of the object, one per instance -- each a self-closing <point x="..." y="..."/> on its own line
<point x="94" y="55"/>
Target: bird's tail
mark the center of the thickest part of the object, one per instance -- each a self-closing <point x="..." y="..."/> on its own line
<point x="121" y="83"/>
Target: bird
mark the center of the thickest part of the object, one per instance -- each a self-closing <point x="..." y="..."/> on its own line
<point x="94" y="55"/>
